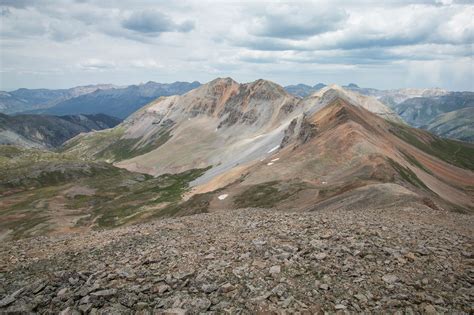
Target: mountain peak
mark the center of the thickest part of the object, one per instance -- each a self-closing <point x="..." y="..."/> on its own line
<point x="352" y="86"/>
<point x="329" y="93"/>
<point x="267" y="86"/>
<point x="319" y="86"/>
<point x="222" y="81"/>
<point x="343" y="110"/>
<point x="263" y="81"/>
<point x="331" y="89"/>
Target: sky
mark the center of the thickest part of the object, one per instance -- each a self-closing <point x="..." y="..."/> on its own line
<point x="380" y="44"/>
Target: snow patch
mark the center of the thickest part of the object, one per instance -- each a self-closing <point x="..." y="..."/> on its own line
<point x="222" y="197"/>
<point x="275" y="160"/>
<point x="274" y="149"/>
<point x="271" y="163"/>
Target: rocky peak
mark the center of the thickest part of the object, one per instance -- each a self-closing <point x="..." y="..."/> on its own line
<point x="341" y="111"/>
<point x="352" y="86"/>
<point x="221" y="82"/>
<point x="268" y="88"/>
<point x="332" y="92"/>
<point x="217" y="88"/>
<point x="256" y="102"/>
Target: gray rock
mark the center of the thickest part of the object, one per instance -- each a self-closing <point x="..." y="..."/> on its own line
<point x="362" y="298"/>
<point x="63" y="292"/>
<point x="175" y="311"/>
<point x="390" y="279"/>
<point x="11" y="298"/>
<point x="430" y="310"/>
<point x="200" y="304"/>
<point x="324" y="286"/>
<point x="7" y="300"/>
<point x="340" y="307"/>
<point x="209" y="287"/>
<point x="105" y="293"/>
<point x="320" y="256"/>
<point x="227" y="287"/>
<point x="274" y="270"/>
<point x="141" y="306"/>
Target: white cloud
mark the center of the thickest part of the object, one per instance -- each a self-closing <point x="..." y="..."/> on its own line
<point x="288" y="42"/>
<point x="94" y="64"/>
<point x="145" y="63"/>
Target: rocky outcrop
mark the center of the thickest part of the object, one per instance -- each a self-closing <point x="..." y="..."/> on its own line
<point x="289" y="133"/>
<point x="308" y="130"/>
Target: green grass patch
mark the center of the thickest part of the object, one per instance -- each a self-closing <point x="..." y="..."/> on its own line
<point x="88" y="144"/>
<point x="28" y="227"/>
<point x="196" y="204"/>
<point x="34" y="179"/>
<point x="52" y="173"/>
<point x="167" y="188"/>
<point x="407" y="174"/>
<point x="332" y="191"/>
<point x="268" y="195"/>
<point x="123" y="149"/>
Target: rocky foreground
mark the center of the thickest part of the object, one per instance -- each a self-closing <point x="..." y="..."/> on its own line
<point x="413" y="260"/>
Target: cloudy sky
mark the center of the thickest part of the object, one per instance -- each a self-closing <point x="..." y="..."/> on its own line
<point x="382" y="44"/>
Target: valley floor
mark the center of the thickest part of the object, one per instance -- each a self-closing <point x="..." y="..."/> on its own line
<point x="245" y="261"/>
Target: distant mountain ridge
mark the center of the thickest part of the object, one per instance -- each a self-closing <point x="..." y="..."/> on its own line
<point x="303" y="90"/>
<point x="22" y="100"/>
<point x="457" y="124"/>
<point x="419" y="111"/>
<point x="46" y="132"/>
<point x="418" y="107"/>
<point x="118" y="102"/>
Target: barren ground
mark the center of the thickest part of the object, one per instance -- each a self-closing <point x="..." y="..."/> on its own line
<point x="409" y="259"/>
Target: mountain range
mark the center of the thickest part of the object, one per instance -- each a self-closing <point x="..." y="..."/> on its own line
<point x="231" y="145"/>
<point x="22" y="100"/>
<point x="420" y="108"/>
<point x="94" y="99"/>
<point x="420" y="111"/>
<point x="303" y="90"/>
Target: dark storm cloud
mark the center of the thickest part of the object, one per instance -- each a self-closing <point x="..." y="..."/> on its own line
<point x="154" y="22"/>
